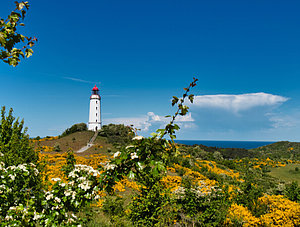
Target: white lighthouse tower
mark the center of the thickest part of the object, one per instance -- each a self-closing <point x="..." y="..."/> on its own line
<point x="95" y="110"/>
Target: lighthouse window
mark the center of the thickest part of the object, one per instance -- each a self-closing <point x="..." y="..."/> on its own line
<point x="96" y="107"/>
<point x="96" y="114"/>
<point x="96" y="120"/>
<point x="96" y="102"/>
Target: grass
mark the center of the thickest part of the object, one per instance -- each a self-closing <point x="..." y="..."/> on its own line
<point x="77" y="140"/>
<point x="287" y="173"/>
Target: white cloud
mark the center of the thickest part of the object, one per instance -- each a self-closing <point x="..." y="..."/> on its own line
<point x="237" y="103"/>
<point x="80" y="80"/>
<point x="138" y="122"/>
<point x="151" y="119"/>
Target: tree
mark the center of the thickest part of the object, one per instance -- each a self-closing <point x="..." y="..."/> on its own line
<point x="14" y="45"/>
<point x="15" y="146"/>
<point x="117" y="134"/>
<point x="74" y="128"/>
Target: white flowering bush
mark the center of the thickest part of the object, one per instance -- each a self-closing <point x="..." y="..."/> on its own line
<point x="16" y="184"/>
<point x="19" y="206"/>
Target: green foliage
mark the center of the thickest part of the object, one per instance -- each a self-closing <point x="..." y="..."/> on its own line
<point x="14" y="142"/>
<point x="198" y="209"/>
<point x="70" y="163"/>
<point x="145" y="161"/>
<point x="153" y="207"/>
<point x="292" y="191"/>
<point x="10" y="38"/>
<point x="280" y="150"/>
<point x="57" y="148"/>
<point x="117" y="134"/>
<point x="113" y="206"/>
<point x="248" y="196"/>
<point x="74" y="128"/>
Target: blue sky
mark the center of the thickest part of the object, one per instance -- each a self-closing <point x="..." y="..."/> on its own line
<point x="140" y="53"/>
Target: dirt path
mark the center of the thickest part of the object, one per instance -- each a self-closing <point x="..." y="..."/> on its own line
<point x="89" y="144"/>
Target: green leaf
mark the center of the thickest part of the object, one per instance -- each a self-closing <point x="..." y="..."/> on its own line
<point x="153" y="134"/>
<point x="176" y="127"/>
<point x="131" y="175"/>
<point x="191" y="98"/>
<point x="28" y="52"/>
<point x="174" y="100"/>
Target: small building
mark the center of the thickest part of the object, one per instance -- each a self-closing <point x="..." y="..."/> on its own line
<point x="95" y="110"/>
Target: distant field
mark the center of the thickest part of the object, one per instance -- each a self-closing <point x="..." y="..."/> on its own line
<point x="287" y="173"/>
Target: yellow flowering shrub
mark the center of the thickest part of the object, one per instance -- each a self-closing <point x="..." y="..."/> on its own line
<point x="281" y="211"/>
<point x="171" y="182"/>
<point x="212" y="167"/>
<point x="238" y="214"/>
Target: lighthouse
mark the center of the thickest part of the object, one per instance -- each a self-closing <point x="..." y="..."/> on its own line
<point x="95" y="110"/>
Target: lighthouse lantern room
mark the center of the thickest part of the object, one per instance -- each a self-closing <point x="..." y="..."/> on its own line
<point x="95" y="110"/>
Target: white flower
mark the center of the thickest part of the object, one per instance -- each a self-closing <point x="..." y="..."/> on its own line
<point x="36" y="172"/>
<point x="117" y="154"/>
<point x="73" y="195"/>
<point x="108" y="166"/>
<point x="130" y="146"/>
<point x="133" y="155"/>
<point x="8" y="218"/>
<point x="56" y="179"/>
<point x="36" y="216"/>
<point x="67" y="193"/>
<point x="140" y="166"/>
<point x="137" y="138"/>
<point x="50" y="196"/>
<point x="57" y="199"/>
<point x="85" y="186"/>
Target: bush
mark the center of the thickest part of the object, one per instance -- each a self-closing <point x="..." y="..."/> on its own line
<point x="117" y="134"/>
<point x="293" y="191"/>
<point x="14" y="142"/>
<point x="74" y="128"/>
<point x="57" y="148"/>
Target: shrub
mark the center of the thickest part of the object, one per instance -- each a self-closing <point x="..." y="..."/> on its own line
<point x="117" y="134"/>
<point x="292" y="191"/>
<point x="15" y="146"/>
<point x="74" y="128"/>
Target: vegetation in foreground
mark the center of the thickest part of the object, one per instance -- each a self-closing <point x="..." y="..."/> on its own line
<point x="142" y="182"/>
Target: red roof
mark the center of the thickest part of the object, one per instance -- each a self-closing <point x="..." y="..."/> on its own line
<point x="95" y="88"/>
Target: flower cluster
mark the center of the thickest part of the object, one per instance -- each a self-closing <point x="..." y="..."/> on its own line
<point x="279" y="212"/>
<point x="212" y="167"/>
<point x="19" y="204"/>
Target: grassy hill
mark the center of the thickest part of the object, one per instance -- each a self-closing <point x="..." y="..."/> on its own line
<point x="287" y="173"/>
<point x="77" y="140"/>
<point x="279" y="150"/>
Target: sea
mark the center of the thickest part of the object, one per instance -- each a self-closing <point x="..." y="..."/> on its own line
<point x="226" y="144"/>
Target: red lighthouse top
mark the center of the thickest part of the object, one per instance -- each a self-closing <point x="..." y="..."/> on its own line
<point x="95" y="88"/>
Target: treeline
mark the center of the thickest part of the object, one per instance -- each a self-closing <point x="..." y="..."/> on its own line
<point x="74" y="128"/>
<point x="117" y="134"/>
<point x="204" y="152"/>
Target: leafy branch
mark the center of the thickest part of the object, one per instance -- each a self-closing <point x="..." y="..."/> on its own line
<point x="181" y="110"/>
<point x="9" y="37"/>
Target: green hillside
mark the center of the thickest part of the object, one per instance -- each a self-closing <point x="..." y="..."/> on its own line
<point x="279" y="150"/>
